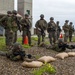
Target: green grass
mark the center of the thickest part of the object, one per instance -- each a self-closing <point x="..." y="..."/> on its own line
<point x="26" y="46"/>
<point x="35" y="38"/>
<point x="74" y="39"/>
<point x="47" y="68"/>
<point x="2" y="44"/>
<point x="19" y="40"/>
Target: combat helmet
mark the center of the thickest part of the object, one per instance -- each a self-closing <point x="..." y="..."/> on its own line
<point x="51" y="18"/>
<point x="14" y="12"/>
<point x="26" y="15"/>
<point x="57" y="21"/>
<point x="42" y="15"/>
<point x="66" y="20"/>
<point x="17" y="46"/>
<point x="71" y="23"/>
<point x="61" y="41"/>
<point x="9" y="12"/>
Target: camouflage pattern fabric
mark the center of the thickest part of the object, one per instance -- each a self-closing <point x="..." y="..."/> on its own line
<point x="52" y="32"/>
<point x="26" y="26"/>
<point x="66" y="31"/>
<point x="70" y="32"/>
<point x="41" y="26"/>
<point x="16" y="52"/>
<point x="6" y="22"/>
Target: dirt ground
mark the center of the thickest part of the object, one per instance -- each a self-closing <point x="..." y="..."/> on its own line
<point x="63" y="67"/>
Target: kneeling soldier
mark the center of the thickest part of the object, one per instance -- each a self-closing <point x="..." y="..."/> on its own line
<point x="16" y="52"/>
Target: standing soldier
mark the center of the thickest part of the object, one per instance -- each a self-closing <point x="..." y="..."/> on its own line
<point x="52" y="31"/>
<point x="66" y="31"/>
<point x="58" y="29"/>
<point x="16" y="24"/>
<point x="6" y="22"/>
<point x="71" y="30"/>
<point x="26" y="26"/>
<point x="41" y="26"/>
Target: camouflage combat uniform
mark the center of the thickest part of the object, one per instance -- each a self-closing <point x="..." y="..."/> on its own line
<point x="61" y="46"/>
<point x="66" y="31"/>
<point x="6" y="22"/>
<point x="26" y="26"/>
<point x="41" y="26"/>
<point x="71" y="29"/>
<point x="16" y="25"/>
<point x="52" y="31"/>
<point x="16" y="52"/>
<point x="58" y="29"/>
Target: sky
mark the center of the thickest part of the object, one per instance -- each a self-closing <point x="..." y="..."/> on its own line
<point x="61" y="10"/>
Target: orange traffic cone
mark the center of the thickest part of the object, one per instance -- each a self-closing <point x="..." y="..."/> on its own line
<point x="26" y="40"/>
<point x="61" y="36"/>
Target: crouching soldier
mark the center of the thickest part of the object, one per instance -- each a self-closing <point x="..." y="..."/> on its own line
<point x="16" y="52"/>
<point x="61" y="46"/>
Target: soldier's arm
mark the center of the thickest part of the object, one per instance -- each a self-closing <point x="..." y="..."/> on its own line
<point x="60" y="29"/>
<point x="64" y="28"/>
<point x="45" y="24"/>
<point x="22" y="22"/>
<point x="48" y="27"/>
<point x="36" y="24"/>
<point x="30" y="24"/>
<point x="2" y="20"/>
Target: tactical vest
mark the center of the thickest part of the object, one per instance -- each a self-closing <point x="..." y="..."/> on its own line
<point x="26" y="24"/>
<point x="66" y="28"/>
<point x="14" y="23"/>
<point x="51" y="27"/>
<point x="42" y="24"/>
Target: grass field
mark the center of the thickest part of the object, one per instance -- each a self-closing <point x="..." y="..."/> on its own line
<point x="34" y="41"/>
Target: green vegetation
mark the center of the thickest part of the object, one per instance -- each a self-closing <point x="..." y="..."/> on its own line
<point x="47" y="68"/>
<point x="2" y="44"/>
<point x="35" y="38"/>
<point x="74" y="39"/>
<point x="34" y="41"/>
<point x="26" y="46"/>
<point x="19" y="40"/>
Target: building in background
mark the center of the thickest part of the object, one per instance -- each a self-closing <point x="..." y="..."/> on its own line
<point x="25" y="7"/>
<point x="22" y="6"/>
<point x="5" y="5"/>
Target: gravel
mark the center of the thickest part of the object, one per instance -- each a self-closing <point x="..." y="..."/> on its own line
<point x="63" y="67"/>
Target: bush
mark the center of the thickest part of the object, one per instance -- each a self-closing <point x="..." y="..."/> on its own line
<point x="47" y="68"/>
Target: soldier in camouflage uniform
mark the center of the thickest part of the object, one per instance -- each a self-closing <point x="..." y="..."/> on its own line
<point x="71" y="30"/>
<point x="66" y="31"/>
<point x="15" y="24"/>
<point x="16" y="52"/>
<point x="6" y="22"/>
<point x="58" y="29"/>
<point x="41" y="26"/>
<point x="52" y="31"/>
<point x="26" y="26"/>
<point x="61" y="46"/>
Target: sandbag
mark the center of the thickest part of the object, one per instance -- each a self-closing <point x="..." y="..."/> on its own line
<point x="71" y="53"/>
<point x="33" y="64"/>
<point x="46" y="59"/>
<point x="62" y="55"/>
